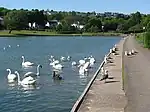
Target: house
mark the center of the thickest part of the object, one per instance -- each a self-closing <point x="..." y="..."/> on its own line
<point x="1" y="21"/>
<point x="52" y="23"/>
<point x="78" y="26"/>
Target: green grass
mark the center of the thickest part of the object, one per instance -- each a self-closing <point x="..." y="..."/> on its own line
<point x="46" y="33"/>
<point x="140" y="38"/>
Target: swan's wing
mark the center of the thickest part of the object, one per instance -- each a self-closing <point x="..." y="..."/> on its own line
<point x="11" y="76"/>
<point x="28" y="63"/>
<point x="28" y="74"/>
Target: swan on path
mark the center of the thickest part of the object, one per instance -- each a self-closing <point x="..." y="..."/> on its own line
<point x="11" y="77"/>
<point x="27" y="63"/>
<point x="126" y="53"/>
<point x="26" y="81"/>
<point x="104" y="76"/>
<point x="32" y="73"/>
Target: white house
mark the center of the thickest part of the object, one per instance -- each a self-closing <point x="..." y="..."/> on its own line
<point x="1" y="21"/>
<point x="78" y="26"/>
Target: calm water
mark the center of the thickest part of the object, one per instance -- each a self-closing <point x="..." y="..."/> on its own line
<point x="49" y="95"/>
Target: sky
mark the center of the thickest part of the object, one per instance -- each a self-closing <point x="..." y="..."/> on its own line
<point x="100" y="6"/>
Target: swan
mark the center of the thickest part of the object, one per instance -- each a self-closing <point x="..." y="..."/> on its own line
<point x="73" y="63"/>
<point x="126" y="53"/>
<point x="27" y="63"/>
<point x="132" y="51"/>
<point x="104" y="76"/>
<point x="32" y="73"/>
<point x="9" y="46"/>
<point x="68" y="58"/>
<point x="54" y="62"/>
<point x="84" y="68"/>
<point x="26" y="81"/>
<point x="102" y="70"/>
<point x="58" y="66"/>
<point x="81" y="62"/>
<point x="63" y="58"/>
<point x="11" y="77"/>
<point x="92" y="61"/>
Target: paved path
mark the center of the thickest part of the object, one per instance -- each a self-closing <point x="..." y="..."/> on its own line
<point x="137" y="69"/>
<point x="107" y="97"/>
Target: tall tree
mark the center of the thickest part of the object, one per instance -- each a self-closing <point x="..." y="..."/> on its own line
<point x="16" y="20"/>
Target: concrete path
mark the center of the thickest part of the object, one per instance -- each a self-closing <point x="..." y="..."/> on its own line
<point x="107" y="97"/>
<point x="137" y="86"/>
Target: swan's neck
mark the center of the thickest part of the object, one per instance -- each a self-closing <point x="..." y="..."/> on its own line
<point x="23" y="60"/>
<point x="19" y="81"/>
<point x="38" y="70"/>
<point x="9" y="72"/>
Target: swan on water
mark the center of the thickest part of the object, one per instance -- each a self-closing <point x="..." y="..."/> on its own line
<point x="63" y="58"/>
<point x="68" y="58"/>
<point x="11" y="77"/>
<point x="9" y="46"/>
<point x="54" y="62"/>
<point x="32" y="73"/>
<point x="74" y="63"/>
<point x="26" y="81"/>
<point x="27" y="63"/>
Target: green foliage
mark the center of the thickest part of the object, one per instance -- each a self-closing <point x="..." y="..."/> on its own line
<point x="92" y="21"/>
<point x="147" y="40"/>
<point x="16" y="20"/>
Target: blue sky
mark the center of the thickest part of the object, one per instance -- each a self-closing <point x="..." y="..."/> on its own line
<point x="123" y="6"/>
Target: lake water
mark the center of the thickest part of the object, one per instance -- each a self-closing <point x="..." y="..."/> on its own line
<point x="48" y="95"/>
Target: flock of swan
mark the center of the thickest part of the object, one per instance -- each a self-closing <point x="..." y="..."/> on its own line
<point x="83" y="66"/>
<point x="29" y="78"/>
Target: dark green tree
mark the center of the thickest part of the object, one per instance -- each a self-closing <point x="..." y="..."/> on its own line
<point x="16" y="20"/>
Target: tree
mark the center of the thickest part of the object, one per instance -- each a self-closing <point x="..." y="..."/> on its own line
<point x="16" y="20"/>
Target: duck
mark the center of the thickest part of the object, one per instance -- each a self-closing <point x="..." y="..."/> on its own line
<point x="27" y="63"/>
<point x="11" y="77"/>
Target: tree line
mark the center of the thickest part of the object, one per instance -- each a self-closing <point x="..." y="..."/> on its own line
<point x="91" y="21"/>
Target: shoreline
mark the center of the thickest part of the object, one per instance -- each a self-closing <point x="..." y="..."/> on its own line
<point x="100" y="97"/>
<point x="26" y="33"/>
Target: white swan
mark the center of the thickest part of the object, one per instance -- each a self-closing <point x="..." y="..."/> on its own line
<point x="26" y="81"/>
<point x="68" y="58"/>
<point x="81" y="62"/>
<point x="74" y="63"/>
<point x="54" y="62"/>
<point x="32" y="73"/>
<point x="126" y="53"/>
<point x="27" y="63"/>
<point x="58" y="66"/>
<point x="63" y="58"/>
<point x="11" y="77"/>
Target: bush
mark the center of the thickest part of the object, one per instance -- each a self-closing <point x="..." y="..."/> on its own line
<point x="147" y="40"/>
